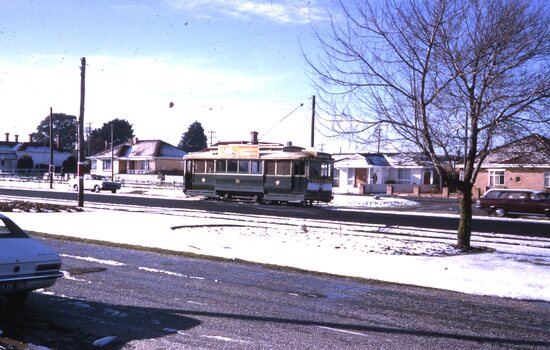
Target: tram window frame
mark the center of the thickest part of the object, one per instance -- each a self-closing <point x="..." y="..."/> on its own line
<point x="271" y="167"/>
<point x="210" y="166"/>
<point x="298" y="168"/>
<point x="232" y="166"/>
<point x="325" y="169"/>
<point x="256" y="166"/>
<point x="199" y="166"/>
<point x="315" y="170"/>
<point x="284" y="167"/>
<point x="244" y="167"/>
<point x="221" y="166"/>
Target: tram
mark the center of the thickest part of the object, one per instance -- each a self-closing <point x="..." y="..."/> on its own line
<point x="270" y="173"/>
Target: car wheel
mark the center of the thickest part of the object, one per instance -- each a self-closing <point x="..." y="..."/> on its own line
<point x="75" y="188"/>
<point x="499" y="212"/>
<point x="17" y="298"/>
<point x="114" y="191"/>
<point x="97" y="189"/>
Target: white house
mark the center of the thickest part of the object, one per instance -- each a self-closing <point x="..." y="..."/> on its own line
<point x="11" y="151"/>
<point x="362" y="173"/>
<point x="139" y="159"/>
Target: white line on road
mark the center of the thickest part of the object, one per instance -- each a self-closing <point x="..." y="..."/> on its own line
<point x="342" y="331"/>
<point x="90" y="259"/>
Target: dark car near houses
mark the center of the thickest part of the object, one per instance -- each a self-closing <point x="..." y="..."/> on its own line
<point x="512" y="202"/>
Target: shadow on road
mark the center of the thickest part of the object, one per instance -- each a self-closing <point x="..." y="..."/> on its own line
<point x="63" y="323"/>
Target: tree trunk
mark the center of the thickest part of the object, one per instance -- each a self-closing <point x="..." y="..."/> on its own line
<point x="465" y="225"/>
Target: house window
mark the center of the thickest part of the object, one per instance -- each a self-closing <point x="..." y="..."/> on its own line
<point x="403" y="176"/>
<point x="143" y="165"/>
<point x="496" y="178"/>
<point x="546" y="179"/>
<point x="107" y="164"/>
<point x="93" y="164"/>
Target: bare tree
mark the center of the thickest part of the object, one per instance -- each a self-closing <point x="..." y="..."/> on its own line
<point x="448" y="78"/>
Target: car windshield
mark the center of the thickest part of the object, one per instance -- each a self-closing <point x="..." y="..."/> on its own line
<point x="10" y="230"/>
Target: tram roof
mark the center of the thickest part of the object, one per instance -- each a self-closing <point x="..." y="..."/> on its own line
<point x="258" y="151"/>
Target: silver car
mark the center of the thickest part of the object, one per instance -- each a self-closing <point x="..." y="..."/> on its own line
<point x="25" y="263"/>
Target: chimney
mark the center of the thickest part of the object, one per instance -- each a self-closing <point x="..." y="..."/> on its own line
<point x="30" y="138"/>
<point x="7" y="137"/>
<point x="16" y="138"/>
<point x="58" y="142"/>
<point x="254" y="137"/>
<point x="289" y="143"/>
<point x="136" y="141"/>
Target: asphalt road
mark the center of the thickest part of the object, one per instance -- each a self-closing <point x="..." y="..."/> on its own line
<point x="534" y="228"/>
<point x="158" y="301"/>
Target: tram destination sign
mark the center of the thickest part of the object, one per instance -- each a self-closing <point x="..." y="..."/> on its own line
<point x="239" y="151"/>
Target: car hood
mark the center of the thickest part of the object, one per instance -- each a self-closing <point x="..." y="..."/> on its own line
<point x="25" y="250"/>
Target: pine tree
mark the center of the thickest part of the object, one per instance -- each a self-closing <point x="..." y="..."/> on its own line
<point x="194" y="139"/>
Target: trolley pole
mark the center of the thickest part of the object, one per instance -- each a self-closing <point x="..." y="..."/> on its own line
<point x="81" y="163"/>
<point x="313" y="123"/>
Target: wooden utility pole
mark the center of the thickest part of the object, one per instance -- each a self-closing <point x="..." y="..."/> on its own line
<point x="313" y="123"/>
<point x="50" y="167"/>
<point x="81" y="163"/>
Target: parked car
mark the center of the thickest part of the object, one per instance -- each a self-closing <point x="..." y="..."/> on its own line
<point x="503" y="202"/>
<point x="25" y="263"/>
<point x="95" y="183"/>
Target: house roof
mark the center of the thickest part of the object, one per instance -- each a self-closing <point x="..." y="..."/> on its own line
<point x="11" y="146"/>
<point x="143" y="149"/>
<point x="369" y="160"/>
<point x="533" y="150"/>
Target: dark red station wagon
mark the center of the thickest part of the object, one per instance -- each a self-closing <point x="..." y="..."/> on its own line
<point x="503" y="202"/>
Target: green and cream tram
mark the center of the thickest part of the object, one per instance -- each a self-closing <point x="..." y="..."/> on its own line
<point x="262" y="172"/>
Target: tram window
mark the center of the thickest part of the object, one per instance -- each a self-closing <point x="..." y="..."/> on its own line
<point x="198" y="166"/>
<point x="256" y="166"/>
<point x="244" y="166"/>
<point x="283" y="167"/>
<point x="220" y="166"/>
<point x="209" y="166"/>
<point x="314" y="170"/>
<point x="299" y="168"/>
<point x="232" y="166"/>
<point x="270" y="167"/>
<point x="325" y="169"/>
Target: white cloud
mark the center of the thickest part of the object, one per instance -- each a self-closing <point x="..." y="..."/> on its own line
<point x="282" y="12"/>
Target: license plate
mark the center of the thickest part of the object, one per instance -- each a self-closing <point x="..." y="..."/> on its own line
<point x="13" y="285"/>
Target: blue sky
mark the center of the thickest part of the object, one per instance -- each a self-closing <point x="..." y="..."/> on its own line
<point x="235" y="66"/>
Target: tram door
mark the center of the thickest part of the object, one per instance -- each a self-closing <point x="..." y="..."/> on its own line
<point x="188" y="175"/>
<point x="299" y="181"/>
